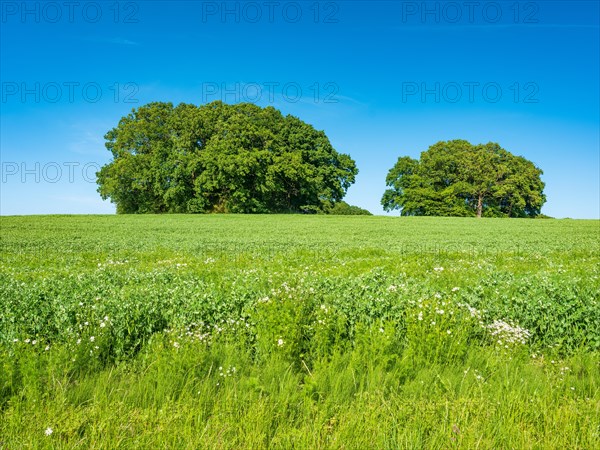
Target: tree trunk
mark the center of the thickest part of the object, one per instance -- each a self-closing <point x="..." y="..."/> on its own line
<point x="480" y="205"/>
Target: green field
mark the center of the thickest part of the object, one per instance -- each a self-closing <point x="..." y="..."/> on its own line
<point x="288" y="331"/>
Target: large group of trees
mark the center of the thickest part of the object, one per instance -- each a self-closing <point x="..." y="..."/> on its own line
<point x="221" y="158"/>
<point x="456" y="178"/>
<point x="246" y="159"/>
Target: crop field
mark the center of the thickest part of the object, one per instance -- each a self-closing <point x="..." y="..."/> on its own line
<point x="308" y="332"/>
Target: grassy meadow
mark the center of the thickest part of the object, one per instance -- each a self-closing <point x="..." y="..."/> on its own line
<point x="307" y="332"/>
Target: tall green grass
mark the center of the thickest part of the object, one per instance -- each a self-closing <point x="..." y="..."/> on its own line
<point x="298" y="332"/>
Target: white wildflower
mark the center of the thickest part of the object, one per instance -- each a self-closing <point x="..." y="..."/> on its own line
<point x="508" y="333"/>
<point x="473" y="311"/>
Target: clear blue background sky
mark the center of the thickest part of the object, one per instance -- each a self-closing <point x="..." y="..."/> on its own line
<point x="380" y="78"/>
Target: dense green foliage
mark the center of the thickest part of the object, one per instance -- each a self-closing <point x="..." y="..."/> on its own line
<point x="342" y="208"/>
<point x="221" y="158"/>
<point x="298" y="331"/>
<point x="455" y="178"/>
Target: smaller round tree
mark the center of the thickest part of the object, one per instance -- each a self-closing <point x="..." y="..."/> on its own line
<point x="455" y="178"/>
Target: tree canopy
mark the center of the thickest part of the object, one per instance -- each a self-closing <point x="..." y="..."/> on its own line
<point x="344" y="209"/>
<point x="221" y="158"/>
<point x="456" y="178"/>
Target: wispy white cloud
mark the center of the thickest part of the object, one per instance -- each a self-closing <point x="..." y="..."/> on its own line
<point x="114" y="40"/>
<point x="121" y="41"/>
<point x="87" y="143"/>
<point x="86" y="137"/>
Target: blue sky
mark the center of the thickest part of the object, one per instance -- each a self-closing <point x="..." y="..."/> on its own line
<point x="383" y="79"/>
